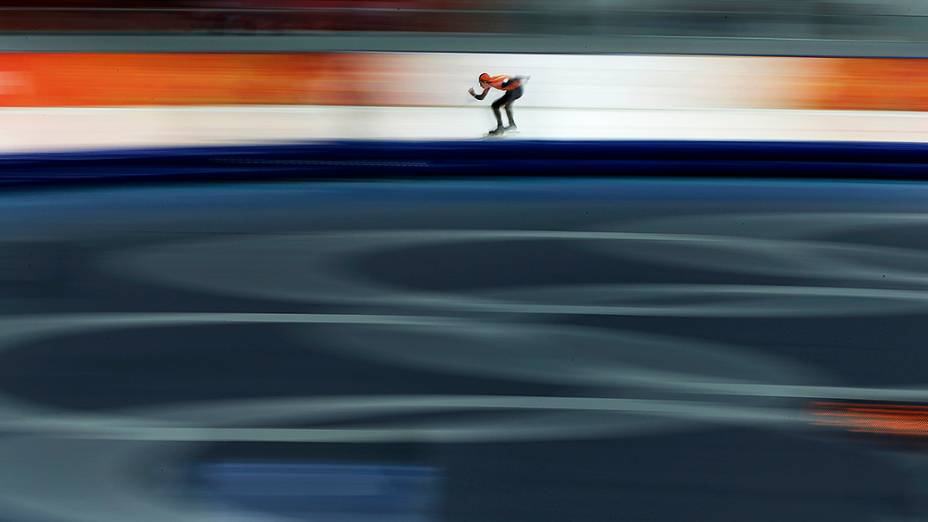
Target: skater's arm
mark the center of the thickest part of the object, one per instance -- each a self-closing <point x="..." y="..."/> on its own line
<point x="481" y="95"/>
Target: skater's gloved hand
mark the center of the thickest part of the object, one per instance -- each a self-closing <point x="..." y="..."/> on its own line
<point x="480" y="96"/>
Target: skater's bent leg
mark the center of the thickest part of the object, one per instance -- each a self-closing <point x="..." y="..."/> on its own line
<point x="496" y="105"/>
<point x="512" y="122"/>
<point x="512" y="96"/>
<point x="499" y="118"/>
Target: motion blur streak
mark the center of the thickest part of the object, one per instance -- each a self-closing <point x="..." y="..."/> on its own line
<point x="536" y="350"/>
<point x="261" y="261"/>
<point x="897" y="20"/>
<point x="885" y="419"/>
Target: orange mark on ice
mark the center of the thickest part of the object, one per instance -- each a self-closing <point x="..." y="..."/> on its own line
<point x="883" y="419"/>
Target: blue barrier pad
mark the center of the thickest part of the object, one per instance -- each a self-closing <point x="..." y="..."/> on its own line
<point x="442" y="159"/>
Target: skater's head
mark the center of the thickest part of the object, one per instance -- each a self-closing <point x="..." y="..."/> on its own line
<point x="483" y="79"/>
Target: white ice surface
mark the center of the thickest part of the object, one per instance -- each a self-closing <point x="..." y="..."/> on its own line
<point x="47" y="129"/>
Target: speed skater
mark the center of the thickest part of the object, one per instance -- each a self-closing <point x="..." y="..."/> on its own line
<point x="513" y="87"/>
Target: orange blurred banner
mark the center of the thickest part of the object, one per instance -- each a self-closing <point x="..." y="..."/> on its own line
<point x="115" y="79"/>
<point x="88" y="80"/>
<point x="893" y="84"/>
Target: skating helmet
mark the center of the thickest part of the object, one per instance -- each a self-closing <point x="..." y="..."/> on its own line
<point x="484" y="77"/>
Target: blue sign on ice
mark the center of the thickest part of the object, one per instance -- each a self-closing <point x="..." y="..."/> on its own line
<point x="331" y="492"/>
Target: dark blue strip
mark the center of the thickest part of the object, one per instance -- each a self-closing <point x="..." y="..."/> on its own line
<point x="441" y="159"/>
